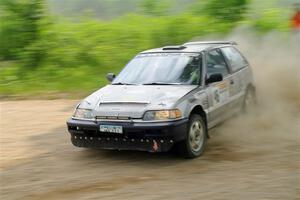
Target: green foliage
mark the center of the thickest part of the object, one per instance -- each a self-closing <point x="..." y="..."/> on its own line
<point x="77" y="56"/>
<point x="264" y="24"/>
<point x="229" y="10"/>
<point x="155" y="7"/>
<point x="21" y="29"/>
<point x="64" y="56"/>
<point x="270" y="19"/>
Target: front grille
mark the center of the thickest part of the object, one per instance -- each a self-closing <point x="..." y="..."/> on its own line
<point x="113" y="117"/>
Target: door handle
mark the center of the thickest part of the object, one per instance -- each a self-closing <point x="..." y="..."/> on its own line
<point x="231" y="81"/>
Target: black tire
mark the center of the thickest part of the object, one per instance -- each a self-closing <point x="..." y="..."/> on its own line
<point x="249" y="100"/>
<point x="185" y="147"/>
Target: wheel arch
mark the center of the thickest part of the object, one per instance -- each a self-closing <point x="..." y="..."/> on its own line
<point x="198" y="109"/>
<point x="250" y="86"/>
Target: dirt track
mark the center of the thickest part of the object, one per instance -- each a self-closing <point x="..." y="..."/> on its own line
<point x="39" y="162"/>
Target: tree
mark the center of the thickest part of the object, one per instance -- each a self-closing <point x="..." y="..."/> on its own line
<point x="21" y="24"/>
<point x="155" y="7"/>
<point x="229" y="10"/>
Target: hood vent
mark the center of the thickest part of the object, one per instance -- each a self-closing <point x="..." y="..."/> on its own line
<point x="174" y="48"/>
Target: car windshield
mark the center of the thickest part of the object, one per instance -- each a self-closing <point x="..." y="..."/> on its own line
<point x="161" y="69"/>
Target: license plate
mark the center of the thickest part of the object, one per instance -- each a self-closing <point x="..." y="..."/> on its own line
<point x="111" y="129"/>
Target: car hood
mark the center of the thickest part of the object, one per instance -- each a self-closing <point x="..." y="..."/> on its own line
<point x="133" y="100"/>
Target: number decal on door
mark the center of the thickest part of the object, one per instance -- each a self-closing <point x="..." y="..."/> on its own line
<point x="220" y="93"/>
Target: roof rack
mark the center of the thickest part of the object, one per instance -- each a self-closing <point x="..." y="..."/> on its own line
<point x="173" y="47"/>
<point x="210" y="42"/>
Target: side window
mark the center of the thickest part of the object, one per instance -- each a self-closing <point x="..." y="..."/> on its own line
<point x="234" y="57"/>
<point x="191" y="72"/>
<point x="215" y="63"/>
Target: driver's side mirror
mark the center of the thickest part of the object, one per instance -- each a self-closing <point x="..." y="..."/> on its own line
<point x="110" y="77"/>
<point x="216" y="77"/>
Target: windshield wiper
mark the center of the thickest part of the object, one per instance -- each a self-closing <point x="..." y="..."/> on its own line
<point x="161" y="83"/>
<point x="120" y="83"/>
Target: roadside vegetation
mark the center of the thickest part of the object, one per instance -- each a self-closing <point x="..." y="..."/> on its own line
<point x="42" y="54"/>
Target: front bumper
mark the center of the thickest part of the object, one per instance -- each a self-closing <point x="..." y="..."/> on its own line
<point x="143" y="136"/>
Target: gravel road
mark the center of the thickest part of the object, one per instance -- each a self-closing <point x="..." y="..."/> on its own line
<point x="247" y="157"/>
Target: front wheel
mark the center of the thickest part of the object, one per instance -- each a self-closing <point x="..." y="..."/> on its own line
<point x="196" y="137"/>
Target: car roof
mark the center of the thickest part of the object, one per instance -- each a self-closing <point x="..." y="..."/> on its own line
<point x="191" y="47"/>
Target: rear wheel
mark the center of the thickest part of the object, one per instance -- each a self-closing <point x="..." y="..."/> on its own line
<point x="196" y="137"/>
<point x="249" y="100"/>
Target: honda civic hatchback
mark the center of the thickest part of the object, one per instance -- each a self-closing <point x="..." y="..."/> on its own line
<point x="166" y="98"/>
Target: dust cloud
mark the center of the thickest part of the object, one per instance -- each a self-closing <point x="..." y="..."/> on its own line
<point x="275" y="60"/>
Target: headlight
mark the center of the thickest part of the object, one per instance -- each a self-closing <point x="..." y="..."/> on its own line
<point x="162" y="115"/>
<point x="83" y="113"/>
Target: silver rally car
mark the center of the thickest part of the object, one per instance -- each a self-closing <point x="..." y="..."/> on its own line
<point x="166" y="98"/>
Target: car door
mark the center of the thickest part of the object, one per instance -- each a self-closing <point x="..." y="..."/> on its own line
<point x="218" y="92"/>
<point x="237" y="65"/>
